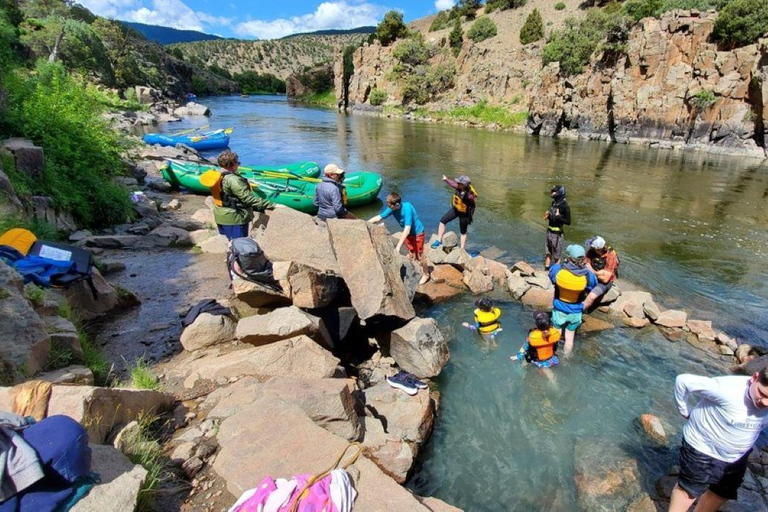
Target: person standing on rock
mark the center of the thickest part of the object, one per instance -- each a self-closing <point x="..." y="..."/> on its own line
<point x="234" y="202"/>
<point x="413" y="230"/>
<point x="558" y="215"/>
<point x="573" y="281"/>
<point x="721" y="430"/>
<point x="463" y="205"/>
<point x="331" y="196"/>
<point x="603" y="261"/>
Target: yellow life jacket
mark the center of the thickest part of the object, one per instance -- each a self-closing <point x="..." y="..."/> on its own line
<point x="344" y="195"/>
<point x="570" y="286"/>
<point x="487" y="321"/>
<point x="458" y="199"/>
<point x="541" y="349"/>
<point x="214" y="180"/>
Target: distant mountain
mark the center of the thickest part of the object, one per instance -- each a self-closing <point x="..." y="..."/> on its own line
<point x="335" y="32"/>
<point x="167" y="35"/>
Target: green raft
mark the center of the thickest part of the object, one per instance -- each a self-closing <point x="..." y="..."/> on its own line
<point x="187" y="174"/>
<point x="294" y="188"/>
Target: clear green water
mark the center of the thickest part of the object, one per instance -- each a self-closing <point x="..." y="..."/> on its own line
<point x="691" y="228"/>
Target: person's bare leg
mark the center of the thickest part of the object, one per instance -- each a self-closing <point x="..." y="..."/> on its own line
<point x="424" y="270"/>
<point x="680" y="501"/>
<point x="591" y="298"/>
<point x="463" y="241"/>
<point x="440" y="232"/>
<point x="547" y="261"/>
<point x="709" y="502"/>
<point x="569" y="337"/>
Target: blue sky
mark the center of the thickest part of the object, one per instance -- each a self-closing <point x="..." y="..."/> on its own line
<point x="261" y="19"/>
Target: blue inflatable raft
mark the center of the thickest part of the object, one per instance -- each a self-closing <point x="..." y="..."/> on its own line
<point x="215" y="139"/>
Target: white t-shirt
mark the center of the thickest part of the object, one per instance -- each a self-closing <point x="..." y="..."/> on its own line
<point x="725" y="423"/>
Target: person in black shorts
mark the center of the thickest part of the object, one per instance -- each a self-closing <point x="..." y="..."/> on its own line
<point x="463" y="205"/>
<point x="558" y="215"/>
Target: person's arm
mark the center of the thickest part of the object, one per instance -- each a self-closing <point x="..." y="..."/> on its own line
<point x="337" y="203"/>
<point x="591" y="281"/>
<point x="553" y="273"/>
<point x="520" y="356"/>
<point x="406" y="232"/>
<point x="450" y="182"/>
<point x="564" y="214"/>
<point x="687" y="384"/>
<point x="380" y="217"/>
<point x="240" y="189"/>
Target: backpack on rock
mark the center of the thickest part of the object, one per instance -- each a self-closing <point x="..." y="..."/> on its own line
<point x="246" y="260"/>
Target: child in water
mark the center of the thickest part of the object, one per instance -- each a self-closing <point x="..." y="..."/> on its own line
<point x="486" y="318"/>
<point x="539" y="348"/>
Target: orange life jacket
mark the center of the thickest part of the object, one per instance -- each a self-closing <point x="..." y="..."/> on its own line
<point x="541" y="349"/>
<point x="219" y="197"/>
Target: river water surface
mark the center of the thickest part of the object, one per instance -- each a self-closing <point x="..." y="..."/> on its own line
<point x="691" y="228"/>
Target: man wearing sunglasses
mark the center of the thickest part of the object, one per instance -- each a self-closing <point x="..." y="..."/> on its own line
<point x="721" y="430"/>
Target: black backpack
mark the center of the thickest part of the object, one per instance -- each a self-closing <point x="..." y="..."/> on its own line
<point x="247" y="261"/>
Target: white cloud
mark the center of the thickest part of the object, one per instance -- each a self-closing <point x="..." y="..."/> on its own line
<point x="109" y="8"/>
<point x="442" y="5"/>
<point x="166" y="13"/>
<point x="328" y="15"/>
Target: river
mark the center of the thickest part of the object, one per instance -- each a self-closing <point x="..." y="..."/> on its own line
<point x="689" y="227"/>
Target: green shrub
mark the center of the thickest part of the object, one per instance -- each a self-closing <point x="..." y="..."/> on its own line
<point x="483" y="28"/>
<point x="82" y="153"/>
<point x="377" y="97"/>
<point x="441" y="21"/>
<point x="742" y="22"/>
<point x="422" y="84"/>
<point x="639" y="9"/>
<point x="413" y="52"/>
<point x="533" y="28"/>
<point x="573" y="46"/>
<point x="502" y="5"/>
<point x="559" y="6"/>
<point x="456" y="38"/>
<point x="252" y="82"/>
<point x="467" y="8"/>
<point x="391" y="28"/>
<point x="34" y="294"/>
<point x="484" y="114"/>
<point x="702" y="100"/>
<point x="142" y="376"/>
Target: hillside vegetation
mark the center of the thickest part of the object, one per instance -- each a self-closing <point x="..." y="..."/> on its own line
<point x="279" y="57"/>
<point x="168" y="35"/>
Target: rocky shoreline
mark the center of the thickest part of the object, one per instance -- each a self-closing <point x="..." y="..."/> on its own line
<point x="285" y="381"/>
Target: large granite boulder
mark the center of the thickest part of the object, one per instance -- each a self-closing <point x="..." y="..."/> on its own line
<point x="396" y="425"/>
<point x="371" y="269"/>
<point x="208" y="330"/>
<point x="293" y="236"/>
<point x="672" y="318"/>
<point x="24" y="340"/>
<point x="275" y="437"/>
<point x="87" y="306"/>
<point x="310" y="287"/>
<point x="280" y="324"/>
<point x="445" y="283"/>
<point x="100" y="410"/>
<point x="419" y="348"/>
<point x="192" y="109"/>
<point x="298" y="357"/>
<point x="120" y="482"/>
<point x="258" y="295"/>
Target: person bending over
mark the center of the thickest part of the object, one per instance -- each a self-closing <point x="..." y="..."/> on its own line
<point x="413" y="230"/>
<point x="463" y="205"/>
<point x="331" y="196"/>
<point x="721" y="430"/>
<point x="603" y="261"/>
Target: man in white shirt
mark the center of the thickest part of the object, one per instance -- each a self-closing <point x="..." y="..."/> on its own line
<point x="722" y="428"/>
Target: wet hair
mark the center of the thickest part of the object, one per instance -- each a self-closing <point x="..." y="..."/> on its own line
<point x="762" y="376"/>
<point x="393" y="199"/>
<point x="228" y="159"/>
<point x="543" y="323"/>
<point x="484" y="304"/>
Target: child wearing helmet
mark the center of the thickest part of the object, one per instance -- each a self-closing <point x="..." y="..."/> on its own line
<point x="463" y="205"/>
<point x="486" y="318"/>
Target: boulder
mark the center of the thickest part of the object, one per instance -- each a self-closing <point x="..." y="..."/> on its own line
<point x="274" y="437"/>
<point x="419" y="347"/>
<point x="450" y="240"/>
<point x="497" y="271"/>
<point x="637" y="323"/>
<point x="745" y="353"/>
<point x="328" y="402"/>
<point x="169" y="236"/>
<point x="540" y="298"/>
<point x="86" y="307"/>
<point x="280" y="324"/>
<point x="523" y="268"/>
<point x="111" y="266"/>
<point x="542" y="281"/>
<point x="208" y="330"/>
<point x="606" y="478"/>
<point x="445" y="283"/>
<point x="633" y="298"/>
<point x="24" y="341"/>
<point x="703" y="329"/>
<point x="653" y="428"/>
<point x="727" y="341"/>
<point x="257" y="295"/>
<point x="215" y="244"/>
<point x="118" y="242"/>
<point x="672" y="318"/>
<point x="611" y="295"/>
<point x="120" y="482"/>
<point x="69" y="375"/>
<point x="396" y="425"/>
<point x="592" y="324"/>
<point x="371" y="269"/>
<point x="199" y="236"/>
<point x="298" y="357"/>
<point x="478" y="282"/>
<point x="147" y="95"/>
<point x="435" y="256"/>
<point x="28" y="159"/>
<point x="290" y="235"/>
<point x="99" y="410"/>
<point x="635" y="310"/>
<point x="173" y="205"/>
<point x="651" y="310"/>
<point x="192" y="109"/>
<point x="312" y="288"/>
<point x="64" y="337"/>
<point x="517" y="284"/>
<point x="205" y="217"/>
<point x="459" y="258"/>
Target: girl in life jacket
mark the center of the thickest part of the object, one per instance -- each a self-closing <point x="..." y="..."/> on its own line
<point x="541" y="343"/>
<point x="486" y="318"/>
<point x="463" y="203"/>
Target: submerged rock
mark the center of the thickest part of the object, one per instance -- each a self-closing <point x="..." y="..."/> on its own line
<point x="606" y="478"/>
<point x="653" y="428"/>
<point x="672" y="318"/>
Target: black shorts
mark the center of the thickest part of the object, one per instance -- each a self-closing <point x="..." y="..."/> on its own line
<point x="454" y="214"/>
<point x="699" y="472"/>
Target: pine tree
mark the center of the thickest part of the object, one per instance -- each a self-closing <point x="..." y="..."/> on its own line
<point x="533" y="28"/>
<point x="456" y="38"/>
